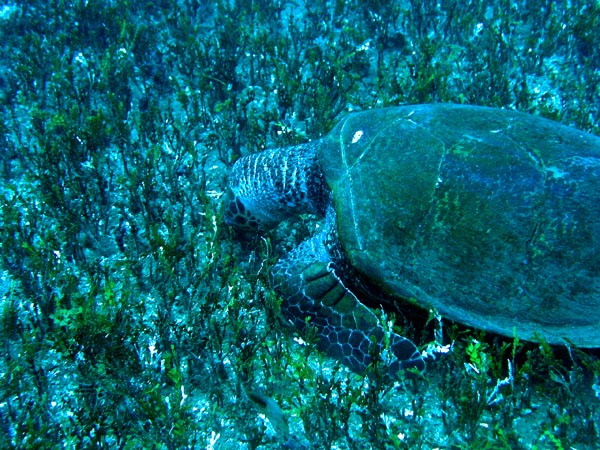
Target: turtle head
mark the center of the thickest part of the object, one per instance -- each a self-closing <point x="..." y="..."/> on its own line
<point x="268" y="187"/>
<point x="243" y="214"/>
<point x="253" y="199"/>
<point x="238" y="216"/>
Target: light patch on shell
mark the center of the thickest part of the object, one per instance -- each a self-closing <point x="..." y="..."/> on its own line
<point x="357" y="135"/>
<point x="555" y="172"/>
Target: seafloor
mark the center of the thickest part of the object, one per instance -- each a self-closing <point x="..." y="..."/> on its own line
<point x="131" y="318"/>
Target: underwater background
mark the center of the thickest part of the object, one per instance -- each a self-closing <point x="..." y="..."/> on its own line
<point x="132" y="318"/>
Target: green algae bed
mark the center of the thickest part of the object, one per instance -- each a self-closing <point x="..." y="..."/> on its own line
<point x="131" y="317"/>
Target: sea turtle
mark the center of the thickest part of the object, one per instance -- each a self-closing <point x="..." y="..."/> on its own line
<point x="489" y="216"/>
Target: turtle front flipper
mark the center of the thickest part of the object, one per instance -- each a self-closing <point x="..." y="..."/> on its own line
<point x="315" y="296"/>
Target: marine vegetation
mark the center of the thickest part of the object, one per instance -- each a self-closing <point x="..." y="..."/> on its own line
<point x="132" y="317"/>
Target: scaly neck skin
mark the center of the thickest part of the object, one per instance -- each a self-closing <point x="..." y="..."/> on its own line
<point x="271" y="186"/>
